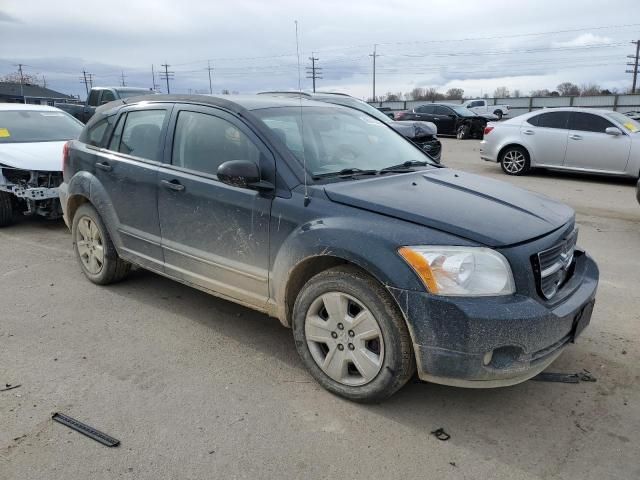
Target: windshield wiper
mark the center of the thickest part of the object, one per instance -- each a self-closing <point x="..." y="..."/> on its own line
<point x="406" y="166"/>
<point x="346" y="172"/>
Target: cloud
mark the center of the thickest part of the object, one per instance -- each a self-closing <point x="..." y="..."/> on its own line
<point x="584" y="40"/>
<point x="5" y="17"/>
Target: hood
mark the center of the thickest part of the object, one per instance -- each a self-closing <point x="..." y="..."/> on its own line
<point x="477" y="208"/>
<point x="41" y="156"/>
<point x="414" y="130"/>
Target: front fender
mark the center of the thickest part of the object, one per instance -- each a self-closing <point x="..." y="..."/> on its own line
<point x="88" y="186"/>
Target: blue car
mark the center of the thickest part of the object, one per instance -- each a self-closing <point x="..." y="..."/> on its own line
<point x="382" y="262"/>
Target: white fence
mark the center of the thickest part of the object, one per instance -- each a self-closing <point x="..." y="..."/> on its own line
<point x="520" y="105"/>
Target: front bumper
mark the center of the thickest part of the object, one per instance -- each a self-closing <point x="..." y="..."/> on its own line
<point x="494" y="341"/>
<point x="30" y="193"/>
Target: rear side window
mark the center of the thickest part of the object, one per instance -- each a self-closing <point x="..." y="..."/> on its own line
<point x="443" y="111"/>
<point x="550" y="120"/>
<point x="107" y="96"/>
<point x="141" y="134"/>
<point x="98" y="132"/>
<point x="425" y="109"/>
<point x="588" y="122"/>
<point x="93" y="97"/>
<point x="203" y="142"/>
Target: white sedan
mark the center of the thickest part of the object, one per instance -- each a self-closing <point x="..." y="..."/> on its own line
<point x="31" y="141"/>
<point x="577" y="139"/>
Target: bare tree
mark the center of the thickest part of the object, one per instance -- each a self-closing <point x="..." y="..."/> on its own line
<point x="392" y="97"/>
<point x="417" y="93"/>
<point x="432" y="94"/>
<point x="568" y="89"/>
<point x="516" y="93"/>
<point x="225" y="92"/>
<point x="540" y="93"/>
<point x="590" y="89"/>
<point x="501" y="92"/>
<point x="27" y="79"/>
<point x="455" y="94"/>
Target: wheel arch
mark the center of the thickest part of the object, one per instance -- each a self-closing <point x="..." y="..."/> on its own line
<point x="511" y="145"/>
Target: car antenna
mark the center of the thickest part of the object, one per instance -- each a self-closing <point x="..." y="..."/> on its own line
<point x="304" y="157"/>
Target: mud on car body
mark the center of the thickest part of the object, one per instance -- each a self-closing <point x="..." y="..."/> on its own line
<point x="381" y="262"/>
<point x="31" y="142"/>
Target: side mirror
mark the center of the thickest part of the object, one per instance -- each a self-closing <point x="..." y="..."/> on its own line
<point x="615" y="131"/>
<point x="243" y="174"/>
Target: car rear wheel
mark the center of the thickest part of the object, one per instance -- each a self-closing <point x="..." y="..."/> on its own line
<point x="6" y="209"/>
<point x="498" y="113"/>
<point x="463" y="132"/>
<point x="351" y="336"/>
<point x="515" y="161"/>
<point x="94" y="249"/>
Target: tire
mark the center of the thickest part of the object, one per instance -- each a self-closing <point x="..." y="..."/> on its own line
<point x="376" y="358"/>
<point x="94" y="249"/>
<point x="499" y="114"/>
<point x="462" y="133"/>
<point x="515" y="161"/>
<point x="6" y="209"/>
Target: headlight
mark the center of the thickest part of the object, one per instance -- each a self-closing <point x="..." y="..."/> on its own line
<point x="470" y="271"/>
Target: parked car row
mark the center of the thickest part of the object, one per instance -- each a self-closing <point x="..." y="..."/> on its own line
<point x="99" y="96"/>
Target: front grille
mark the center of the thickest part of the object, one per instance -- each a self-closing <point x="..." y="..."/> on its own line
<point x="554" y="266"/>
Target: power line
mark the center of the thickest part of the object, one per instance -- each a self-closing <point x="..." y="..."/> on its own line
<point x="634" y="65"/>
<point x="154" y="85"/>
<point x="20" y="65"/>
<point x="166" y="75"/>
<point x="86" y="80"/>
<point x="314" y="72"/>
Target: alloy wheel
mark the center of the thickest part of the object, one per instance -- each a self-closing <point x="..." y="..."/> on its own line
<point x="514" y="161"/>
<point x="344" y="339"/>
<point x="90" y="246"/>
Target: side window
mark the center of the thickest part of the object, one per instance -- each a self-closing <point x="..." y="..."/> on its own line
<point x="114" y="144"/>
<point x="533" y="120"/>
<point x="588" y="122"/>
<point x="203" y="142"/>
<point x="440" y="110"/>
<point x="107" y="96"/>
<point x="93" y="98"/>
<point x="96" y="132"/>
<point x="422" y="109"/>
<point x="553" y="120"/>
<point x="141" y="133"/>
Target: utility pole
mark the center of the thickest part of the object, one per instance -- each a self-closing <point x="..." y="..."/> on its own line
<point x="90" y="76"/>
<point x="20" y="65"/>
<point x="634" y="65"/>
<point x="314" y="72"/>
<point x="374" y="55"/>
<point x="209" y="68"/>
<point x="84" y="80"/>
<point x="122" y="82"/>
<point x="44" y="81"/>
<point x="154" y="85"/>
<point x="167" y="75"/>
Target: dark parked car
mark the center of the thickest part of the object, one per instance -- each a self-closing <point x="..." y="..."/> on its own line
<point x="450" y="119"/>
<point x="380" y="262"/>
<point x="423" y="134"/>
<point x="387" y="111"/>
<point x="99" y="96"/>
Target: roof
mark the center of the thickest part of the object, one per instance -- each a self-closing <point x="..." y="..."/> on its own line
<point x="233" y="102"/>
<point x="21" y="106"/>
<point x="36" y="91"/>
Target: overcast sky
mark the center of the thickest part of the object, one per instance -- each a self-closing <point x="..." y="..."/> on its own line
<point x="475" y="45"/>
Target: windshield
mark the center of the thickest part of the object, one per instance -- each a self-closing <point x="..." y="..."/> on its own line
<point x="462" y="111"/>
<point x="37" y="126"/>
<point x="628" y="123"/>
<point x="332" y="139"/>
<point x="134" y="93"/>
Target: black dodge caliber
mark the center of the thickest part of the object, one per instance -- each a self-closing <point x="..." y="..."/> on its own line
<point x="380" y="262"/>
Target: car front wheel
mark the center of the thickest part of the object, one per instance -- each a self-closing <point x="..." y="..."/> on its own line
<point x="463" y="132"/>
<point x="6" y="209"/>
<point x="351" y="336"/>
<point x="498" y="113"/>
<point x="515" y="161"/>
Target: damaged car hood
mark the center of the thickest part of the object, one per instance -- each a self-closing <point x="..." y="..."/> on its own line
<point x="411" y="129"/>
<point x="477" y="208"/>
<point x="41" y="156"/>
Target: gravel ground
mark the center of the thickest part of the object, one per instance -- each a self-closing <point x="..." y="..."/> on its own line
<point x="197" y="387"/>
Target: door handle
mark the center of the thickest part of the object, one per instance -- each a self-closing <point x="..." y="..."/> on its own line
<point x="104" y="166"/>
<point x="528" y="132"/>
<point x="575" y="137"/>
<point x="173" y="185"/>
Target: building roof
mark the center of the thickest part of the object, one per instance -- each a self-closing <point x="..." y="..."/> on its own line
<point x="13" y="90"/>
